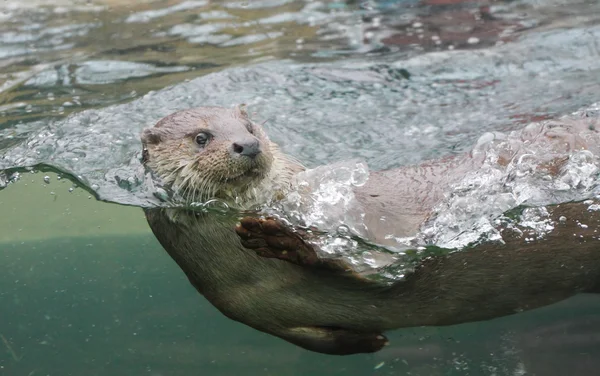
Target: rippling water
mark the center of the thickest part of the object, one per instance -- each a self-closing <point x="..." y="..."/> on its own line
<point x="373" y="111"/>
<point x="388" y="82"/>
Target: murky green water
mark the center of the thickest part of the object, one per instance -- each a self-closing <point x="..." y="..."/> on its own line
<point x="118" y="305"/>
<point x="85" y="289"/>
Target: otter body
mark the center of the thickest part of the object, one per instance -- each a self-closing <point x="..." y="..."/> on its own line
<point x="268" y="294"/>
<point x="220" y="153"/>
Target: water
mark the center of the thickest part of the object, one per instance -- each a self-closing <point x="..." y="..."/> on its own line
<point x="390" y="83"/>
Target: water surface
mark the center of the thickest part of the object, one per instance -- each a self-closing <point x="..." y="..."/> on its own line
<point x="86" y="289"/>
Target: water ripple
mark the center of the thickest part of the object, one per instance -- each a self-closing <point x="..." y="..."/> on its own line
<point x="373" y="111"/>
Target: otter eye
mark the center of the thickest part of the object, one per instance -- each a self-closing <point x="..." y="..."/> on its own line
<point x="202" y="138"/>
<point x="250" y="128"/>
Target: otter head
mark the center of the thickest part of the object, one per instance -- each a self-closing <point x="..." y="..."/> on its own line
<point x="214" y="152"/>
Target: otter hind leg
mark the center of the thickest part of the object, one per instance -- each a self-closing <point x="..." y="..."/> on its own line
<point x="271" y="238"/>
<point x="334" y="340"/>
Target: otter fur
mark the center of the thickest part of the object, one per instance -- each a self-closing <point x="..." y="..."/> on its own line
<point x="214" y="152"/>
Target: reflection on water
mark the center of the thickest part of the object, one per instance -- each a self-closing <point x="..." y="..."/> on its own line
<point x="47" y="49"/>
<point x="390" y="81"/>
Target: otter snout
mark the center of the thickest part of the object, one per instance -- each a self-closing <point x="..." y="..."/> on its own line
<point x="249" y="148"/>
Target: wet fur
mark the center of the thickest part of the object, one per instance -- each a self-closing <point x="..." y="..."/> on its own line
<point x="334" y="312"/>
<point x="200" y="175"/>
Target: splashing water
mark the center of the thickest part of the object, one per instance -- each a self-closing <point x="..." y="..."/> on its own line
<point x="323" y="197"/>
<point x="369" y="114"/>
<point x="545" y="163"/>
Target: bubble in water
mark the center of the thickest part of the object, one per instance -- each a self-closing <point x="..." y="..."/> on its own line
<point x="15" y="177"/>
<point x="360" y="175"/>
<point x="216" y="205"/>
<point x="540" y="165"/>
<point x="47" y="179"/>
<point x="339" y="246"/>
<point x="537" y="219"/>
<point x="161" y="194"/>
<point x="324" y="197"/>
<point x="343" y="230"/>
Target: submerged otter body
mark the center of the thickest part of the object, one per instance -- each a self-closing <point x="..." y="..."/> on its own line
<point x="214" y="152"/>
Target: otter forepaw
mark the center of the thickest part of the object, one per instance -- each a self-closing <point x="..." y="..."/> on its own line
<point x="269" y="237"/>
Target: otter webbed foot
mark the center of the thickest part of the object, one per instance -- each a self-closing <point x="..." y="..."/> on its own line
<point x="335" y="341"/>
<point x="271" y="238"/>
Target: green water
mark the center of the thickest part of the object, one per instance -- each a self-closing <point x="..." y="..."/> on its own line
<point x="116" y="304"/>
<point x="85" y="289"/>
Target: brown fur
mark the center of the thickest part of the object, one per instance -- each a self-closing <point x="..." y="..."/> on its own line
<point x="214" y="173"/>
<point x="326" y="309"/>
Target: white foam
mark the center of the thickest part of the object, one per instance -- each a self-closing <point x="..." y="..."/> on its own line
<point x="545" y="163"/>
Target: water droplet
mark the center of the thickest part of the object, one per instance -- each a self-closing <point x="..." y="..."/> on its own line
<point x="343" y="230"/>
<point x="47" y="179"/>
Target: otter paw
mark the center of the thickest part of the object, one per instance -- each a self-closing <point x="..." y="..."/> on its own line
<point x="269" y="237"/>
<point x="335" y="341"/>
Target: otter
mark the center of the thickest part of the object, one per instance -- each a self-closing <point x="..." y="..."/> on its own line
<point x="267" y="276"/>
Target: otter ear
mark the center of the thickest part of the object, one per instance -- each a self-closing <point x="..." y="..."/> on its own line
<point x="242" y="110"/>
<point x="151" y="136"/>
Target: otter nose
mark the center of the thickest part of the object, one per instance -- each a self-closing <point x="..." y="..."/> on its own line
<point x="248" y="148"/>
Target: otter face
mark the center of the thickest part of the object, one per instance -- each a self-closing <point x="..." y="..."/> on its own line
<point x="208" y="152"/>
